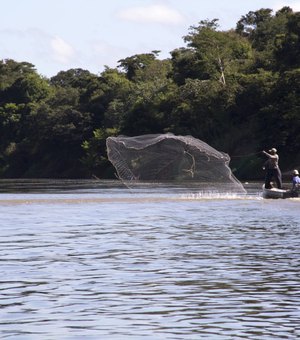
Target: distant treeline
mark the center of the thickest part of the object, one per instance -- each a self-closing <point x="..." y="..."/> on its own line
<point x="237" y="90"/>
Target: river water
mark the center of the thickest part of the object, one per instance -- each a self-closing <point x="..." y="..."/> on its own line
<point x="95" y="260"/>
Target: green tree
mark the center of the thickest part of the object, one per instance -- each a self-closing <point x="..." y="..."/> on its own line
<point x="214" y="54"/>
<point x="265" y="32"/>
<point x="95" y="157"/>
<point x="288" y="45"/>
<point x="202" y="110"/>
<point x="185" y="65"/>
<point x="133" y="64"/>
<point x="249" y="23"/>
<point x="150" y="91"/>
<point x="11" y="70"/>
<point x="281" y="116"/>
<point x="28" y="88"/>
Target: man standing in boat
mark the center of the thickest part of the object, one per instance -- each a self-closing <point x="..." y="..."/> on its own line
<point x="272" y="169"/>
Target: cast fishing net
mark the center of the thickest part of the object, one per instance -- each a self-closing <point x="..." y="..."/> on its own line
<point x="166" y="157"/>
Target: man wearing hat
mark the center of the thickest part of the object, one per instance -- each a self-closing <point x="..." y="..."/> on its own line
<point x="272" y="169"/>
<point x="296" y="181"/>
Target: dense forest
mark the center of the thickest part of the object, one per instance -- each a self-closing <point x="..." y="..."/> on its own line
<point x="237" y="90"/>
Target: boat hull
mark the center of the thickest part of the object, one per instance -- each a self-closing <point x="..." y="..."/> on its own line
<point x="278" y="193"/>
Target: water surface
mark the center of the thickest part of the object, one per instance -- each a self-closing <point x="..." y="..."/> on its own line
<point x="95" y="260"/>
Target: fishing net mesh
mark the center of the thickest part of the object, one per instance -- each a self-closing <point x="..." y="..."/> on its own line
<point x="166" y="157"/>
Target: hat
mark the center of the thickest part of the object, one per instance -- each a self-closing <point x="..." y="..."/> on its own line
<point x="295" y="172"/>
<point x="273" y="150"/>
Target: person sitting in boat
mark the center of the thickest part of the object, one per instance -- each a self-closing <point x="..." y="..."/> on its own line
<point x="296" y="181"/>
<point x="272" y="169"/>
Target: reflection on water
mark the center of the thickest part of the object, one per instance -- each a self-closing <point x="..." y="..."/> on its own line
<point x="97" y="261"/>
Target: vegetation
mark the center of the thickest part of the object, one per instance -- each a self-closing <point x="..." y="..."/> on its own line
<point x="237" y="90"/>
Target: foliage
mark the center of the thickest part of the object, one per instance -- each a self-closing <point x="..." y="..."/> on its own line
<point x="216" y="53"/>
<point x="95" y="158"/>
<point x="238" y="90"/>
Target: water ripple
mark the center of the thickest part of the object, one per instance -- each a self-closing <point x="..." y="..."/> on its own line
<point x="208" y="269"/>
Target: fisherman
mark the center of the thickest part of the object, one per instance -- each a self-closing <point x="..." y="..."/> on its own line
<point x="296" y="182"/>
<point x="272" y="169"/>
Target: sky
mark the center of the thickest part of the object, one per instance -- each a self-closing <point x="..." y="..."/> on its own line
<point x="57" y="35"/>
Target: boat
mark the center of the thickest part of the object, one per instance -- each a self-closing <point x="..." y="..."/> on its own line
<point x="279" y="193"/>
<point x="274" y="193"/>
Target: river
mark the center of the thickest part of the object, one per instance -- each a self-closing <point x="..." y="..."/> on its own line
<point x="96" y="260"/>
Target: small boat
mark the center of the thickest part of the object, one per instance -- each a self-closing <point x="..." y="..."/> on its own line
<point x="278" y="193"/>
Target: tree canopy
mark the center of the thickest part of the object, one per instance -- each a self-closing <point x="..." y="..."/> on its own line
<point x="237" y="90"/>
